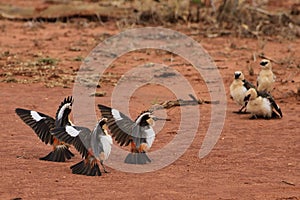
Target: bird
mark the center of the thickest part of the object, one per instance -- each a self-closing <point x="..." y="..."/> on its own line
<point x="266" y="78"/>
<point x="139" y="134"/>
<point x="94" y="146"/>
<point x="262" y="105"/>
<point x="238" y="89"/>
<point x="42" y="124"/>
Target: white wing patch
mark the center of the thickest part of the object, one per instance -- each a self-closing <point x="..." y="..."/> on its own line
<point x="140" y="117"/>
<point x="62" y="110"/>
<point x="150" y="136"/>
<point x="116" y="114"/>
<point x="106" y="143"/>
<point x="36" y="116"/>
<point x="72" y="131"/>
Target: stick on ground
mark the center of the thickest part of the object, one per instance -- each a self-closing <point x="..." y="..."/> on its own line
<point x="180" y="102"/>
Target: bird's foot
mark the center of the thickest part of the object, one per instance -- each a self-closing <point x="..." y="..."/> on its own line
<point x="253" y="117"/>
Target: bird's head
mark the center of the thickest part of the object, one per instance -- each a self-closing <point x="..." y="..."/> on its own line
<point x="251" y="94"/>
<point x="239" y="75"/>
<point x="265" y="64"/>
<point x="103" y="125"/>
<point x="147" y="118"/>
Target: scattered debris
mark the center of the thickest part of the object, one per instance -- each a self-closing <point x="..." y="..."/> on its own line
<point x="98" y="94"/>
<point x="245" y="20"/>
<point x="63" y="12"/>
<point x="43" y="69"/>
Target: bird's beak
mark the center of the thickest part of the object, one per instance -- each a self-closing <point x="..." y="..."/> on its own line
<point x="157" y="118"/>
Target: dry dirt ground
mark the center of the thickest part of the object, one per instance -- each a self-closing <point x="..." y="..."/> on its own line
<point x="253" y="159"/>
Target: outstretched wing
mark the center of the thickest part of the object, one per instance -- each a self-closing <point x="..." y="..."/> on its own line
<point x="63" y="112"/>
<point x="119" y="125"/>
<point x="39" y="122"/>
<point x="78" y="136"/>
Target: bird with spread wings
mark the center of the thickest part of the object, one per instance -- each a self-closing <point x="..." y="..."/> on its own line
<point x="139" y="134"/>
<point x="42" y="124"/>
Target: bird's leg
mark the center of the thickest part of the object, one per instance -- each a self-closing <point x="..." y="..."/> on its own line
<point x="245" y="111"/>
<point x="55" y="143"/>
<point x="89" y="156"/>
<point x="133" y="147"/>
<point x="104" y="169"/>
<point x="240" y="111"/>
<point x="143" y="148"/>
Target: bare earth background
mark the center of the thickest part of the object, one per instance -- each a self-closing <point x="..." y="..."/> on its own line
<point x="253" y="159"/>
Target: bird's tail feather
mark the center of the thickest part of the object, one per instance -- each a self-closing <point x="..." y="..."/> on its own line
<point x="60" y="154"/>
<point x="137" y="158"/>
<point x="86" y="169"/>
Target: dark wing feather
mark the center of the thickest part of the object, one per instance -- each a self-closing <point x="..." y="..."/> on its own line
<point x="42" y="127"/>
<point x="67" y="100"/>
<point x="62" y="113"/>
<point x="275" y="106"/>
<point x="264" y="94"/>
<point x="248" y="85"/>
<point x="120" y="128"/>
<point x="81" y="141"/>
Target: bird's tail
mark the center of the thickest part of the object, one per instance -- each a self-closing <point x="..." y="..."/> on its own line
<point x="60" y="154"/>
<point x="276" y="115"/>
<point x="137" y="158"/>
<point x="87" y="169"/>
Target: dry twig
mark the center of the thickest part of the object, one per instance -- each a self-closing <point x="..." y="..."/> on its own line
<point x="262" y="56"/>
<point x="288" y="183"/>
<point x="180" y="102"/>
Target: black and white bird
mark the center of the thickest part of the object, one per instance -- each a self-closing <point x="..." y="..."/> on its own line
<point x="262" y="105"/>
<point x="139" y="134"/>
<point x="42" y="125"/>
<point x="238" y="89"/>
<point x="94" y="146"/>
<point x="266" y="78"/>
